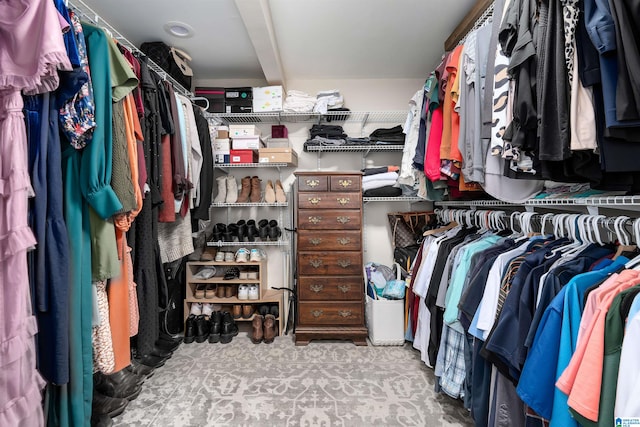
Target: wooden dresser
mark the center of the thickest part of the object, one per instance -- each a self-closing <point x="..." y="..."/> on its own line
<point x="329" y="257"/>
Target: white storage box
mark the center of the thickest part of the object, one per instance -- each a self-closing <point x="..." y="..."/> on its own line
<point x="243" y="130"/>
<point x="278" y="143"/>
<point x="268" y="98"/>
<point x="247" y="143"/>
<point x="221" y="146"/>
<point x="385" y="321"/>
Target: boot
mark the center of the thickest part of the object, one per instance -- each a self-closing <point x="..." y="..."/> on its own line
<point x="221" y="197"/>
<point x="229" y="328"/>
<point x="190" y="329"/>
<point x="247" y="311"/>
<point x="215" y="326"/>
<point x="256" y="191"/>
<point x="263" y="229"/>
<point x="245" y="191"/>
<point x="269" y="193"/>
<point x="252" y="230"/>
<point x="236" y="311"/>
<point x="269" y="328"/>
<point x="274" y="230"/>
<point x="242" y="230"/>
<point x="257" y="334"/>
<point x="109" y="406"/>
<point x="232" y="189"/>
<point x="280" y="196"/>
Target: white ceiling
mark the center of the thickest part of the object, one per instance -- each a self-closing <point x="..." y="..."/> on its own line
<point x="295" y="39"/>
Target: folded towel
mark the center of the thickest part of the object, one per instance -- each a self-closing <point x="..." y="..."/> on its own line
<point x="377" y="184"/>
<point x="381" y="176"/>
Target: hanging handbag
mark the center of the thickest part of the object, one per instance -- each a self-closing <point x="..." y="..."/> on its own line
<point x="407" y="227"/>
<point x="172" y="60"/>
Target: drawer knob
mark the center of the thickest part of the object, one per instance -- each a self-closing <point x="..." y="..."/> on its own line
<point x="345" y="313"/>
<point x="312" y="182"/>
<point x="316" y="288"/>
<point x="343" y="200"/>
<point x="315" y="263"/>
<point x="343" y="219"/>
<point x="344" y="288"/>
<point x="344" y="183"/>
<point x="315" y="219"/>
<point x="314" y="200"/>
<point x="315" y="241"/>
<point x="344" y="241"/>
<point x="316" y="313"/>
<point x="344" y="263"/>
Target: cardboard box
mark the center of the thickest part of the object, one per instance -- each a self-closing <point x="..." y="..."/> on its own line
<point x="243" y="130"/>
<point x="222" y="133"/>
<point x="266" y="99"/>
<point x="247" y="142"/>
<point x="385" y="321"/>
<point x="222" y="146"/>
<point x="244" y="156"/>
<point x="278" y="155"/>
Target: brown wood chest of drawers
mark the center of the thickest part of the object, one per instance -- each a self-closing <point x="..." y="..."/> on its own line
<point x="329" y="257"/>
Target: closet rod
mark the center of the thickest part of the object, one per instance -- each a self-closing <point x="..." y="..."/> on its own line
<point x="90" y="15"/>
<point x="472" y="20"/>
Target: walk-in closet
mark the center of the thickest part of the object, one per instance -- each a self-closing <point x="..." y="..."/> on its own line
<point x="319" y="213"/>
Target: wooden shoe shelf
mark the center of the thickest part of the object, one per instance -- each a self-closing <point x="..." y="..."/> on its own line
<point x="266" y="295"/>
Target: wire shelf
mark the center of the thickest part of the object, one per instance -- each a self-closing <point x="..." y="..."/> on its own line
<point x="238" y="205"/>
<point x="397" y="117"/>
<point x="353" y="148"/>
<point x="89" y="14"/>
<point x="604" y="201"/>
<point x="251" y="165"/>
<point x="394" y="199"/>
<point x="275" y="243"/>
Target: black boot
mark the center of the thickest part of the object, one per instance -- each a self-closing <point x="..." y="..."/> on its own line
<point x="202" y="328"/>
<point x="122" y="387"/>
<point x="229" y="328"/>
<point x="108" y="406"/>
<point x="190" y="329"/>
<point x="263" y="230"/>
<point x="242" y="230"/>
<point x="252" y="230"/>
<point x="215" y="327"/>
<point x="233" y="231"/>
<point x="274" y="230"/>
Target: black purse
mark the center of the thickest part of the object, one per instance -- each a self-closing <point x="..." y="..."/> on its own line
<point x="171" y="60"/>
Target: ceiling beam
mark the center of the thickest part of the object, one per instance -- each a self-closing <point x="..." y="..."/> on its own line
<point x="256" y="16"/>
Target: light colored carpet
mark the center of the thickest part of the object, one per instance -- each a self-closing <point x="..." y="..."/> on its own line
<point x="326" y="383"/>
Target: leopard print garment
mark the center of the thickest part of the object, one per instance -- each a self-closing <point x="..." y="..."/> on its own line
<point x="103" y="357"/>
<point x="570" y="14"/>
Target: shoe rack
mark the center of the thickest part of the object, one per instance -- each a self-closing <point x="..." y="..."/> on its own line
<point x="266" y="296"/>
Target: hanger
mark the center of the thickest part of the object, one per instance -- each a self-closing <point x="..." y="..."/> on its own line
<point x="200" y="98"/>
<point x="624" y="239"/>
<point x="635" y="262"/>
<point x="443" y="214"/>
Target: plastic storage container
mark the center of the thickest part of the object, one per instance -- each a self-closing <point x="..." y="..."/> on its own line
<point x="385" y="321"/>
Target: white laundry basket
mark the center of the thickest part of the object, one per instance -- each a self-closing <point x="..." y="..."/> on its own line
<point x="385" y="321"/>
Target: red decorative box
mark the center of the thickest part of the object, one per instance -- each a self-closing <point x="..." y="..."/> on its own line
<point x="244" y="156"/>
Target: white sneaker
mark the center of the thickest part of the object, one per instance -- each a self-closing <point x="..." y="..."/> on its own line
<point x="242" y="255"/>
<point x="219" y="256"/>
<point x="196" y="309"/>
<point x="243" y="292"/>
<point x="207" y="309"/>
<point x="254" y="292"/>
<point x="257" y="255"/>
<point x="228" y="257"/>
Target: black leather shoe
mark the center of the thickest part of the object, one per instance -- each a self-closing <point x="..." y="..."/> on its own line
<point x="252" y="230"/>
<point x="274" y="311"/>
<point x="215" y="327"/>
<point x="120" y="387"/>
<point x="170" y="338"/>
<point x="274" y="230"/>
<point x="140" y="369"/>
<point x="242" y="230"/>
<point x="151" y="361"/>
<point x="263" y="310"/>
<point x="109" y="406"/>
<point x="167" y="346"/>
<point x="163" y="353"/>
<point x="190" y="329"/>
<point x="125" y="375"/>
<point x="263" y="229"/>
<point x="101" y="420"/>
<point x="229" y="328"/>
<point x="202" y="328"/>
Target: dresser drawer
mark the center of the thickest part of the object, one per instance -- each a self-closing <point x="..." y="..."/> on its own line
<point x="330" y="313"/>
<point x="343" y="240"/>
<point x="328" y="200"/>
<point x="313" y="183"/>
<point x="330" y="263"/>
<point x="325" y="219"/>
<point x="349" y="183"/>
<point x="330" y="288"/>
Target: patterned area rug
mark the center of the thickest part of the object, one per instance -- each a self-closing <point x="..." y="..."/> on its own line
<point x="326" y="383"/>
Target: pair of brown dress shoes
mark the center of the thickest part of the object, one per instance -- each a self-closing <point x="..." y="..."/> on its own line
<point x="263" y="328"/>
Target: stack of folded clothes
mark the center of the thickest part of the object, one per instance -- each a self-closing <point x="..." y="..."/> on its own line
<point x="380" y="182"/>
<point x="326" y="135"/>
<point x="298" y="102"/>
<point x="328" y="99"/>
<point x="393" y="136"/>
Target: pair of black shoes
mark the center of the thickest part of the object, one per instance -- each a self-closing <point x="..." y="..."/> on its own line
<point x="263" y="310"/>
<point x="269" y="230"/>
<point x="196" y="329"/>
<point x="112" y="393"/>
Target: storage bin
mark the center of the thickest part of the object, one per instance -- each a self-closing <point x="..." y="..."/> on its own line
<point x="385" y="321"/>
<point x="244" y="156"/>
<point x="278" y="155"/>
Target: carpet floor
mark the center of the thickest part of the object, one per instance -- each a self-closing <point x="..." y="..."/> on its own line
<point x="326" y="383"/>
